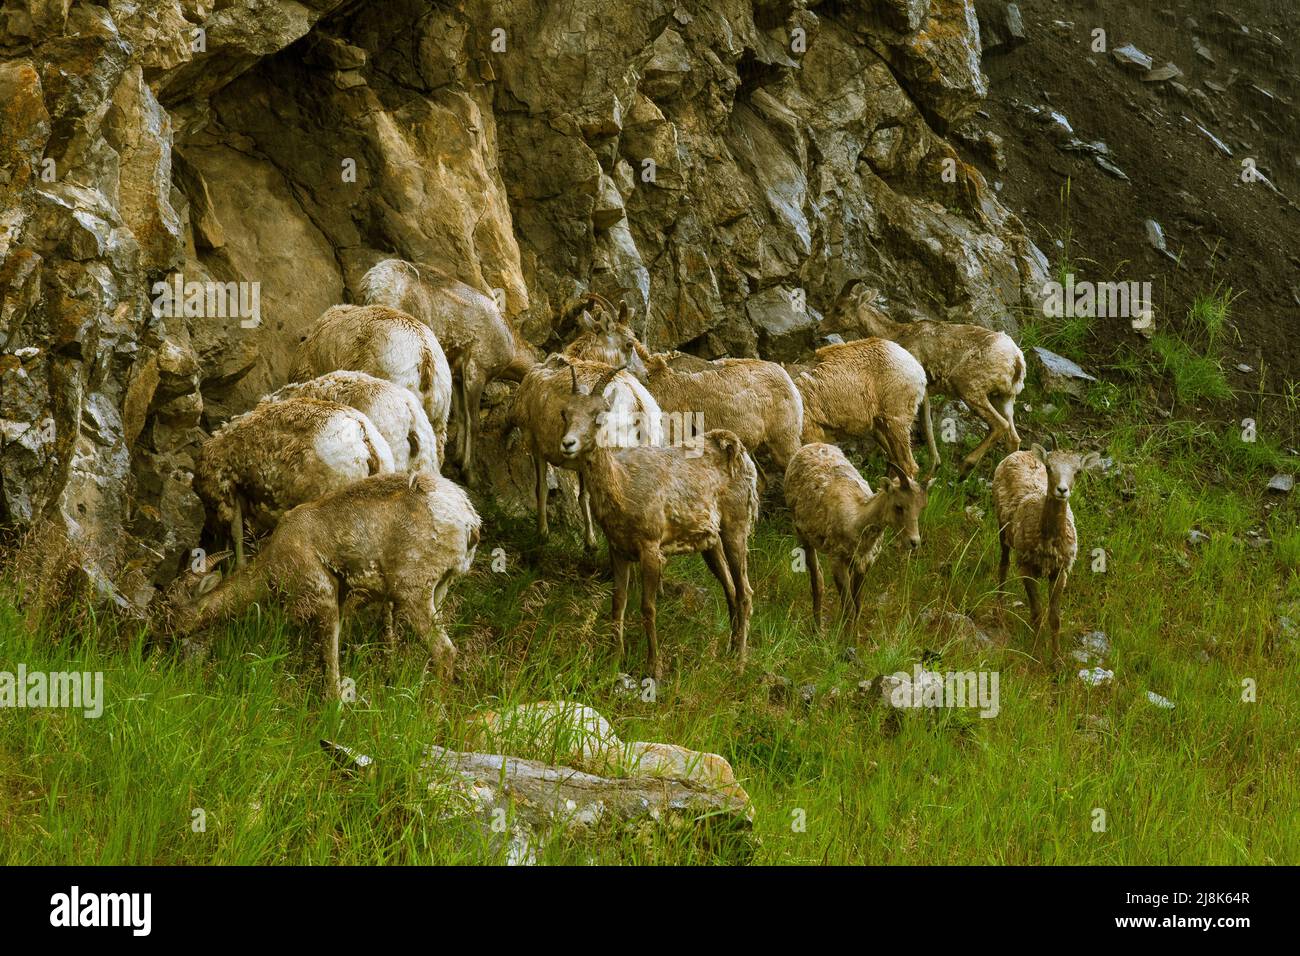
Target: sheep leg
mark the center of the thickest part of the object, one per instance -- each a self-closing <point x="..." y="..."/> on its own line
<point x="326" y="618"/>
<point x="997" y="428"/>
<point x="735" y="544"/>
<point x="858" y="582"/>
<point x="588" y="525"/>
<point x="539" y="467"/>
<point x="840" y="573"/>
<point x="935" y="461"/>
<point x="1035" y="606"/>
<point x="622" y="571"/>
<point x="420" y="614"/>
<point x="473" y="385"/>
<point x="815" y="581"/>
<point x="651" y="570"/>
<point x="237" y="530"/>
<point x="1009" y="413"/>
<point x="715" y="557"/>
<point x="898" y="448"/>
<point x="1054" y="611"/>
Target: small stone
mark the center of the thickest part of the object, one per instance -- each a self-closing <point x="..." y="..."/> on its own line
<point x="1281" y="483"/>
<point x="778" y="689"/>
<point x="1162" y="702"/>
<point x="1096" y="676"/>
<point x="1130" y="56"/>
<point x="1167" y="72"/>
<point x="625" y="686"/>
<point x="1197" y="538"/>
<point x="1095" y="642"/>
<point x="1243" y="367"/>
<point x="849" y="655"/>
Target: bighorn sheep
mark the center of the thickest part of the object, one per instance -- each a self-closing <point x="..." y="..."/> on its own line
<point x="755" y="400"/>
<point x="480" y="344"/>
<point x="868" y="386"/>
<point x="387" y="344"/>
<point x="835" y="511"/>
<point x="396" y="539"/>
<point x="653" y="502"/>
<point x="281" y="454"/>
<point x="984" y="368"/>
<point x="393" y="410"/>
<point x="1031" y="499"/>
<point x="537" y="407"/>
<point x="607" y="338"/>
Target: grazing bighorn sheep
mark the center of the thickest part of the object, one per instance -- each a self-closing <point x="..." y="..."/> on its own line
<point x="868" y="386"/>
<point x="537" y="407"/>
<point x="392" y="409"/>
<point x="608" y="338"/>
<point x="653" y="502"/>
<point x="387" y="344"/>
<point x="983" y="368"/>
<point x="281" y="454"/>
<point x="480" y="344"/>
<point x="755" y="400"/>
<point x="836" y="512"/>
<point x="1031" y="499"/>
<point x="395" y="539"/>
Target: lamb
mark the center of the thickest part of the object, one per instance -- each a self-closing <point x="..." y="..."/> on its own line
<point x="537" y="411"/>
<point x="865" y="386"/>
<point x="1031" y="500"/>
<point x="281" y="454"/>
<point x="480" y="344"/>
<point x="396" y="539"/>
<point x="984" y="368"/>
<point x="393" y="410"/>
<point x="608" y="339"/>
<point x="387" y="344"/>
<point x="653" y="502"/>
<point x="835" y="511"/>
<point x="755" y="400"/>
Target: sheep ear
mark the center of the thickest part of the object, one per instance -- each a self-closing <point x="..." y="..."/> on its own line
<point x="624" y="313"/>
<point x="585" y="321"/>
<point x="209" y="581"/>
<point x="1039" y="452"/>
<point x="1091" y="461"/>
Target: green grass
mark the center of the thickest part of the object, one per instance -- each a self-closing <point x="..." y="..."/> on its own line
<point x="1212" y="781"/>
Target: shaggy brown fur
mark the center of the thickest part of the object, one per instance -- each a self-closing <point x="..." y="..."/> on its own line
<point x="281" y="454"/>
<point x="387" y="344"/>
<point x="392" y="409"/>
<point x="755" y="400"/>
<point x="835" y="511"/>
<point x="870" y="386"/>
<point x="656" y="502"/>
<point x="480" y="343"/>
<point x="1031" y="499"/>
<point x="393" y="539"/>
<point x="983" y="368"/>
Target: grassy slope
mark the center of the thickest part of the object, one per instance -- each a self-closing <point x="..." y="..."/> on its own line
<point x="1214" y="780"/>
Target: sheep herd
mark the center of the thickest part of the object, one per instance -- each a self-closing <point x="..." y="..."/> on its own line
<point x="341" y="469"/>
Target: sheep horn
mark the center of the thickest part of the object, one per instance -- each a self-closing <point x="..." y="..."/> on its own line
<point x="904" y="481"/>
<point x="603" y="302"/>
<point x="1056" y="445"/>
<point x="573" y="373"/>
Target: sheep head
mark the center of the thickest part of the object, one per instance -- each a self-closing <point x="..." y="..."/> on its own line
<point x="1063" y="468"/>
<point x="583" y="415"/>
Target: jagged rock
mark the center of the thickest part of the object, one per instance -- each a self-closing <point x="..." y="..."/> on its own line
<point x="292" y="146"/>
<point x="1060" y="374"/>
<point x="1130" y="56"/>
<point x="1281" y="483"/>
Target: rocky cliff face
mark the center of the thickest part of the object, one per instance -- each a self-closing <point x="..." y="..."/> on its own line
<point x="724" y="165"/>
